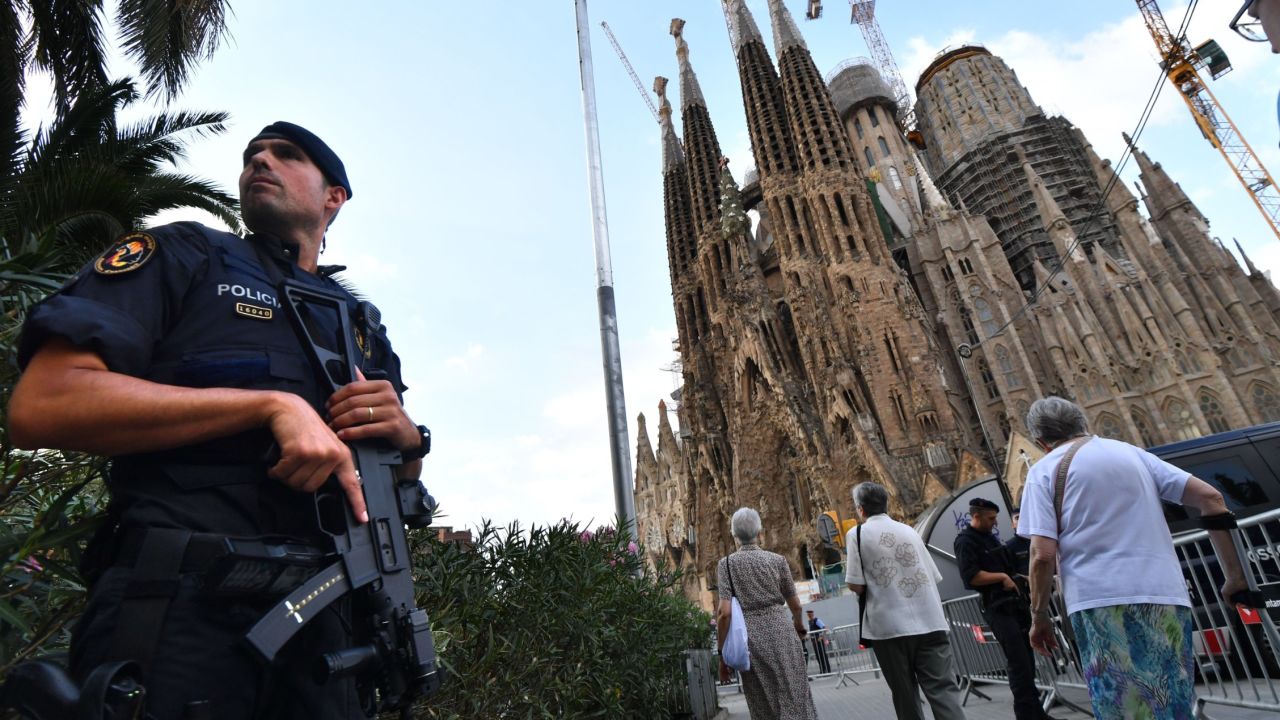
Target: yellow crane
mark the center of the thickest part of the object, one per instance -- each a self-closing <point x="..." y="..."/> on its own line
<point x="1182" y="65"/>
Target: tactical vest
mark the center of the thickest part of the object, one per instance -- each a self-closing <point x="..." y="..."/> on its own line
<point x="231" y="332"/>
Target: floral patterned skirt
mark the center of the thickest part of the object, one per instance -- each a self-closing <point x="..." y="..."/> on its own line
<point x="1137" y="661"/>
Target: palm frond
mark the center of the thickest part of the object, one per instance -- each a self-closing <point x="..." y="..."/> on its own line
<point x="167" y="39"/>
<point x="66" y="41"/>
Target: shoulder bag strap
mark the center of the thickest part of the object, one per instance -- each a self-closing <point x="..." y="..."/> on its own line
<point x="857" y="540"/>
<point x="1060" y="478"/>
<point x="728" y="566"/>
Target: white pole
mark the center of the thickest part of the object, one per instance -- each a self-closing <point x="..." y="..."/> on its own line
<point x="619" y="444"/>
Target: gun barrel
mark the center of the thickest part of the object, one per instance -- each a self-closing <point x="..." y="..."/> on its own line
<point x="344" y="662"/>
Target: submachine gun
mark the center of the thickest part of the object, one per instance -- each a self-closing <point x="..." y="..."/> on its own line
<point x="393" y="658"/>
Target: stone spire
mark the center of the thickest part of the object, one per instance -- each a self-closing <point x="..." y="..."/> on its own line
<point x="672" y="153"/>
<point x="1163" y="194"/>
<point x="821" y="139"/>
<point x="702" y="149"/>
<point x="1055" y="223"/>
<point x="742" y="26"/>
<point x="664" y="425"/>
<point x="786" y="34"/>
<point x="936" y="205"/>
<point x="767" y="125"/>
<point x="677" y="205"/>
<point x="643" y="446"/>
<point x="690" y="90"/>
<point x="1247" y="262"/>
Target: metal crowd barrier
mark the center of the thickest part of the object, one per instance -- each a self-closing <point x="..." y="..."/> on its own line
<point x="979" y="659"/>
<point x="846" y="657"/>
<point x="1237" y="652"/>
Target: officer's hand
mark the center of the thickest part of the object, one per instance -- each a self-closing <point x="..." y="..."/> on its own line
<point x="1008" y="584"/>
<point x="310" y="452"/>
<point x="370" y="409"/>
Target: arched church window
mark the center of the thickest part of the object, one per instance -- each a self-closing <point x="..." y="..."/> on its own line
<point x="1143" y="424"/>
<point x="884" y="147"/>
<point x="988" y="319"/>
<point x="857" y="126"/>
<point x="871" y="161"/>
<point x="988" y="380"/>
<point x="1006" y="368"/>
<point x="871" y="113"/>
<point x="1212" y="409"/>
<point x="895" y="178"/>
<point x="967" y="322"/>
<point x="1265" y="401"/>
<point x="1180" y="358"/>
<point x="1180" y="420"/>
<point x="1109" y="426"/>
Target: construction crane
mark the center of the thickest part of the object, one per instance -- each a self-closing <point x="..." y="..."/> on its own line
<point x="1182" y="64"/>
<point x="631" y="71"/>
<point x="863" y="14"/>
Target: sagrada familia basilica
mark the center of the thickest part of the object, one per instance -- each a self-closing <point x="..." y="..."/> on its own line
<point x="895" y="310"/>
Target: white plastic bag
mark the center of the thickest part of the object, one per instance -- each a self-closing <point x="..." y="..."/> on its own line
<point x="735" y="642"/>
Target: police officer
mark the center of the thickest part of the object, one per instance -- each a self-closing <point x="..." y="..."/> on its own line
<point x="986" y="567"/>
<point x="1019" y="551"/>
<point x="172" y="354"/>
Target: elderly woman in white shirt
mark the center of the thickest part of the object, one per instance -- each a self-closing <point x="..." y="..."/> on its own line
<point x="891" y="570"/>
<point x="1121" y="578"/>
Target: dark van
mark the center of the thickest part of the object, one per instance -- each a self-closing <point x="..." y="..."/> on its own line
<point x="1245" y="466"/>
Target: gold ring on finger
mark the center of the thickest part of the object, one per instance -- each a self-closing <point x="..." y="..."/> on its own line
<point x="370" y="409"/>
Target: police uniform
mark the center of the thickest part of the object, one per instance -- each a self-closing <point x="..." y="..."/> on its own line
<point x="1007" y="613"/>
<point x="186" y="305"/>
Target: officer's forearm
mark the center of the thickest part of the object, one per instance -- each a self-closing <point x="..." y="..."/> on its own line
<point x="68" y="399"/>
<point x="982" y="577"/>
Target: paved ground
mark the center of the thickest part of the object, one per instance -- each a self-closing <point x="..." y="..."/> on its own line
<point x="870" y="700"/>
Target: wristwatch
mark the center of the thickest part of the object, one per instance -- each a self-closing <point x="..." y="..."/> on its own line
<point x="1042" y="612"/>
<point x="423" y="448"/>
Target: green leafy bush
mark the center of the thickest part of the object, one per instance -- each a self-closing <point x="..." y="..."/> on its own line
<point x="554" y="622"/>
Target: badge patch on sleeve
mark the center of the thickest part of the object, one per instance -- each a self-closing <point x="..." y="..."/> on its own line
<point x="129" y="253"/>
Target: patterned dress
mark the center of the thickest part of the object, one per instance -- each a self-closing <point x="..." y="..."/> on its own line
<point x="776" y="686"/>
<point x="1138" y="661"/>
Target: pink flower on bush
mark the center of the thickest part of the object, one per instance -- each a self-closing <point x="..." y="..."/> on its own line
<point x="633" y="548"/>
<point x="585" y="536"/>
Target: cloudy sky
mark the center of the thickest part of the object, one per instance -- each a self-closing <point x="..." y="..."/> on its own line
<point x="461" y="127"/>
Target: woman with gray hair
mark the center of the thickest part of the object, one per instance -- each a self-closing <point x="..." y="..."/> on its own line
<point x="1122" y="582"/>
<point x="776" y="686"/>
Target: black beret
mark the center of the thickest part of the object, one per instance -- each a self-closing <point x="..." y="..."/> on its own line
<point x="324" y="158"/>
<point x="983" y="504"/>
